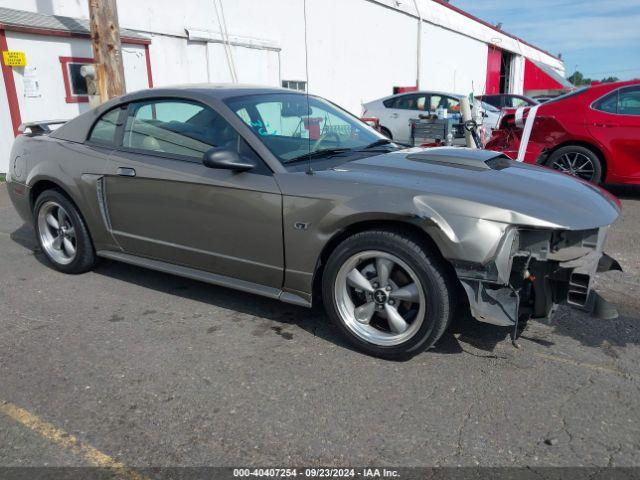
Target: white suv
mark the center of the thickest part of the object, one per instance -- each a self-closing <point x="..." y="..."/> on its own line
<point x="396" y="111"/>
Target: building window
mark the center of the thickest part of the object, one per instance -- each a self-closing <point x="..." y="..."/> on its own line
<point x="75" y="86"/>
<point x="299" y="85"/>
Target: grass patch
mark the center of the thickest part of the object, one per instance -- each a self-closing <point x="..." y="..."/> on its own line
<point x="3" y="177"/>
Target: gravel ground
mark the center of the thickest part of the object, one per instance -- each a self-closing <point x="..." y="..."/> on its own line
<point x="156" y="370"/>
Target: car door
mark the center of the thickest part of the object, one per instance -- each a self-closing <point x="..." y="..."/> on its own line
<point x="614" y="121"/>
<point x="164" y="204"/>
<point x="399" y="112"/>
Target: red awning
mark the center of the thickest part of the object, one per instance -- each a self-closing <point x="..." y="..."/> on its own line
<point x="538" y="76"/>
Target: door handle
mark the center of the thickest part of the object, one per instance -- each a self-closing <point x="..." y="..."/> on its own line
<point x="606" y="125"/>
<point x="126" y="172"/>
<point x="394" y="115"/>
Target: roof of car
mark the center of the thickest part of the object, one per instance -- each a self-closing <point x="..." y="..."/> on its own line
<point x="433" y="92"/>
<point x="612" y="85"/>
<point x="502" y="95"/>
<point x="216" y="90"/>
<point x="77" y="129"/>
<point x="418" y="92"/>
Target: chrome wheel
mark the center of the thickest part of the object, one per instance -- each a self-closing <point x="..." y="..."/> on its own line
<point x="379" y="298"/>
<point x="57" y="235"/>
<point x="576" y="164"/>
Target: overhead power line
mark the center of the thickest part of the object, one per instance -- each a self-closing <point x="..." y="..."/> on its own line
<point x="612" y="71"/>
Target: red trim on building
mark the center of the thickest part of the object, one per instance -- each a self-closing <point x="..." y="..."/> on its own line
<point x="65" y="33"/>
<point x="148" y="59"/>
<point x="7" y="72"/>
<point x="64" y="62"/>
<point x="445" y="3"/>
<point x="10" y="87"/>
<point x="397" y="90"/>
<point x="494" y="64"/>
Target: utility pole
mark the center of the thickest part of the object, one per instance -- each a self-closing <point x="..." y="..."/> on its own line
<point x="107" y="53"/>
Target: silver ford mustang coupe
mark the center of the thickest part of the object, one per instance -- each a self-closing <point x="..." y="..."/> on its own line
<point x="285" y="195"/>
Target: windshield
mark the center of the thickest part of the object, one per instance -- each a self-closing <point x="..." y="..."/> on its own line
<point x="490" y="108"/>
<point x="294" y="130"/>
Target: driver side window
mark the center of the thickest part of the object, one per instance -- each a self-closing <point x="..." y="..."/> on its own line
<point x="183" y="130"/>
<point x="410" y="102"/>
<point x="629" y="101"/>
<point x="453" y="104"/>
<point x="175" y="127"/>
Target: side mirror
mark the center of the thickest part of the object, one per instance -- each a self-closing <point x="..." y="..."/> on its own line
<point x="226" y="159"/>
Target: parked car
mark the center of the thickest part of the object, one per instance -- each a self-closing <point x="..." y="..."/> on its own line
<point x="507" y="100"/>
<point x="592" y="133"/>
<point x="285" y="195"/>
<point x="396" y="111"/>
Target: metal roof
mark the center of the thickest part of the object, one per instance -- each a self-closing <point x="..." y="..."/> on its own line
<point x="22" y="20"/>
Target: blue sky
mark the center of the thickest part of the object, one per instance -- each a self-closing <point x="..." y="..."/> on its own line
<point x="601" y="37"/>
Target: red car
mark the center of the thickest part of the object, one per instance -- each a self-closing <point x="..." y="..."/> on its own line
<point x="592" y="133"/>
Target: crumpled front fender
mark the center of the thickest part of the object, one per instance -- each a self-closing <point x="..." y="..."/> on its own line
<point x="469" y="231"/>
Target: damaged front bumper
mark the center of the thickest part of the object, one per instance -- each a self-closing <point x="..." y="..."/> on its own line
<point x="534" y="271"/>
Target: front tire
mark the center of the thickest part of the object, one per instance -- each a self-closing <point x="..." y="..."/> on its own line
<point x="577" y="161"/>
<point x="387" y="293"/>
<point x="62" y="233"/>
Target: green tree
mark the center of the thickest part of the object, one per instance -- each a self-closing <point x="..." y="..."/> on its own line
<point x="578" y="79"/>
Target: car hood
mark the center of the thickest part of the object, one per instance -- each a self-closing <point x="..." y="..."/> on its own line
<point x="488" y="185"/>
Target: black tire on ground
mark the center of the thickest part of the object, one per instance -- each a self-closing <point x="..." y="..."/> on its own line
<point x="579" y="155"/>
<point x="85" y="257"/>
<point x="436" y="277"/>
<point x="386" y="132"/>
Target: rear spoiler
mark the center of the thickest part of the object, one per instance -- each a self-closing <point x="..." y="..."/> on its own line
<point x="42" y="127"/>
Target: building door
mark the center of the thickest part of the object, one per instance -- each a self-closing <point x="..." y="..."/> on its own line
<point x="505" y="71"/>
<point x="494" y="62"/>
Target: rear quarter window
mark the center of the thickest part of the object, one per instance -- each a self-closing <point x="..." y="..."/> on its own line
<point x="104" y="131"/>
<point x="608" y="103"/>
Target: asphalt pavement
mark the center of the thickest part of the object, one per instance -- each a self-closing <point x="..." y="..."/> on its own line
<point x="149" y="369"/>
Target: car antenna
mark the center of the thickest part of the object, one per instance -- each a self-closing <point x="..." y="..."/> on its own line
<point x="306" y="66"/>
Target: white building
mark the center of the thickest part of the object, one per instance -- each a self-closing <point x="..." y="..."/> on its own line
<point x="358" y="50"/>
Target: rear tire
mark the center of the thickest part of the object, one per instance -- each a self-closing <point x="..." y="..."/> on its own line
<point x="62" y="233"/>
<point x="577" y="161"/>
<point x="395" y="276"/>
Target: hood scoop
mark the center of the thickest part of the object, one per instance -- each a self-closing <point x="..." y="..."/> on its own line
<point x="466" y="158"/>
